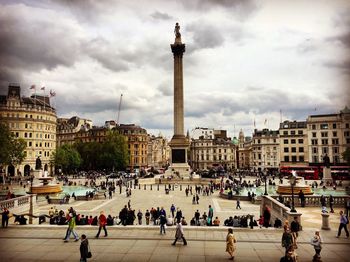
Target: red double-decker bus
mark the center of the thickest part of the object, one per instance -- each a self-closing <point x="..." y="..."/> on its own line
<point x="307" y="172"/>
<point x="340" y="172"/>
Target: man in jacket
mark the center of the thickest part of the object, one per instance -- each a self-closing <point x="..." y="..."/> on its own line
<point x="102" y="220"/>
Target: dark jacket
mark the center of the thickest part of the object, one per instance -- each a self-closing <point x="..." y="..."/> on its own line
<point x="84" y="248"/>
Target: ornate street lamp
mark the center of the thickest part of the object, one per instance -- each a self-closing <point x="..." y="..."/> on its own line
<point x="265" y="177"/>
<point x="292" y="183"/>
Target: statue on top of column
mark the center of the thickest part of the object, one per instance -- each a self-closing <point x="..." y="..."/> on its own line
<point x="177" y="33"/>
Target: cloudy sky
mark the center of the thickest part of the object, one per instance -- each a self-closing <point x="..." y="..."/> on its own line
<point x="244" y="60"/>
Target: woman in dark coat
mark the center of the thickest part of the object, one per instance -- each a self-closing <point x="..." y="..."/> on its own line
<point x="84" y="248"/>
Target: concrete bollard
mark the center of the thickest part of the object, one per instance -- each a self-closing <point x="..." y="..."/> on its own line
<point x="180" y="187"/>
<point x="325" y="221"/>
<point x="173" y="187"/>
<point x="144" y="187"/>
<point x="158" y="187"/>
<point x="151" y="187"/>
<point x="139" y="186"/>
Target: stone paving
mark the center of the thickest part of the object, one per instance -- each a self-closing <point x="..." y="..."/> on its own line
<point x="144" y="243"/>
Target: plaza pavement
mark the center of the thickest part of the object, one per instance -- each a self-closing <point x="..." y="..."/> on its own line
<point x="144" y="243"/>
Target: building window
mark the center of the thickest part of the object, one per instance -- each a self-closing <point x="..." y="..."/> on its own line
<point x="301" y="149"/>
<point x="334" y="133"/>
<point x="324" y="134"/>
<point x="334" y="125"/>
<point x="301" y="158"/>
<point x="324" y="126"/>
<point x="286" y="150"/>
<point x="294" y="149"/>
<point x="313" y="126"/>
<point x="335" y="141"/>
<point x="285" y="132"/>
<point x="292" y="132"/>
<point x="315" y="159"/>
<point x="300" y="132"/>
<point x="347" y="125"/>
<point x="286" y="158"/>
<point x="294" y="158"/>
<point x="324" y="150"/>
<point x="300" y="141"/>
<point x="285" y="141"/>
<point x="324" y="141"/>
<point x="292" y="141"/>
<point x="335" y="150"/>
<point x="314" y="150"/>
<point x="313" y="134"/>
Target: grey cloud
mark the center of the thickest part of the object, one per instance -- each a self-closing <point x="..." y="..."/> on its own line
<point x="262" y="101"/>
<point x="105" y="53"/>
<point x="205" y="35"/>
<point x="26" y="43"/>
<point x="161" y="16"/>
<point x="166" y="89"/>
<point x="344" y="66"/>
<point x="240" y="8"/>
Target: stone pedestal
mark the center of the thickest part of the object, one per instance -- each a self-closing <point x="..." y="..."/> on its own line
<point x="325" y="221"/>
<point x="327" y="176"/>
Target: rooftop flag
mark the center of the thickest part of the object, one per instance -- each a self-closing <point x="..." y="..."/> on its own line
<point x="52" y="93"/>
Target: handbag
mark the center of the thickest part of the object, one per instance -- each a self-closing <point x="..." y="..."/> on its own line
<point x="89" y="254"/>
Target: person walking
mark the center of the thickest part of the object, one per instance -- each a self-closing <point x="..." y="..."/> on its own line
<point x="179" y="234"/>
<point x="162" y="222"/>
<point x="5" y="217"/>
<point x="102" y="220"/>
<point x="331" y="202"/>
<point x="230" y="244"/>
<point x="287" y="239"/>
<point x="139" y="217"/>
<point x="316" y="242"/>
<point x="84" y="248"/>
<point x="210" y="215"/>
<point x="343" y="224"/>
<point x="238" y="205"/>
<point x="172" y="210"/>
<point x="295" y="228"/>
<point x="147" y="216"/>
<point x="71" y="227"/>
<point x="302" y="198"/>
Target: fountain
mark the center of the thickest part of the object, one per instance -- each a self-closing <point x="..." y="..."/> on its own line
<point x="300" y="185"/>
<point x="42" y="183"/>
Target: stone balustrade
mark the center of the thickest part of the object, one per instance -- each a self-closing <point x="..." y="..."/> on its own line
<point x="278" y="210"/>
<point x="15" y="203"/>
<point x="339" y="201"/>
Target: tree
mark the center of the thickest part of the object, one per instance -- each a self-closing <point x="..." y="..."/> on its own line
<point x="111" y="154"/>
<point x="346" y="155"/>
<point x="5" y="142"/>
<point x="115" y="151"/>
<point x="12" y="148"/>
<point x="67" y="157"/>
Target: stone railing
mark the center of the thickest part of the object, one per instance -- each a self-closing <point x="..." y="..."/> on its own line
<point x="339" y="201"/>
<point x="15" y="203"/>
<point x="278" y="210"/>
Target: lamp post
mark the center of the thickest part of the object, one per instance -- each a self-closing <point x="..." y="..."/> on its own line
<point x="292" y="183"/>
<point x="265" y="177"/>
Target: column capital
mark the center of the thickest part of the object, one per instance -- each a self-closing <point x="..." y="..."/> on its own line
<point x="178" y="49"/>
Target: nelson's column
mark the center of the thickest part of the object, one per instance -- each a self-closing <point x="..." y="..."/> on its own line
<point x="179" y="144"/>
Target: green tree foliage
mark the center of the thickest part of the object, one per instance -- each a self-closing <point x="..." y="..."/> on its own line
<point x="346" y="155"/>
<point x="12" y="148"/>
<point x="5" y="142"/>
<point x="109" y="155"/>
<point x="67" y="157"/>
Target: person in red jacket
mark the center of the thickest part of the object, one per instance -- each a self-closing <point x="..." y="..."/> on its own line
<point x="102" y="220"/>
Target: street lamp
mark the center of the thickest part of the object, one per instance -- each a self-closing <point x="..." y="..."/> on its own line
<point x="292" y="183"/>
<point x="265" y="177"/>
